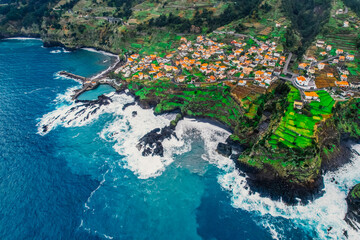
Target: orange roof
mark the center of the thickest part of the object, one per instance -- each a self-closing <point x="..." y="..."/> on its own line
<point x="342" y="83"/>
<point x="343" y="76"/>
<point x="311" y="94"/>
<point x="301" y="78"/>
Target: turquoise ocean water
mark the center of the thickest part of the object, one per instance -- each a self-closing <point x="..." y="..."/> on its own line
<point x="83" y="178"/>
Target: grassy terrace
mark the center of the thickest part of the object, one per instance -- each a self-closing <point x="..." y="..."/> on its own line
<point x="296" y="130"/>
<point x="289" y="146"/>
<point x="213" y="101"/>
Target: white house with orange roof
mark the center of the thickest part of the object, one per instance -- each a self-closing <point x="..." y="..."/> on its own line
<point x="242" y="83"/>
<point x="328" y="48"/>
<point x="303" y="66"/>
<point x="321" y="66"/>
<point x="311" y="96"/>
<point x="339" y="51"/>
<point x="259" y="74"/>
<point x="342" y="83"/>
<point x="302" y="81"/>
<point x="350" y="57"/>
<point x="343" y="77"/>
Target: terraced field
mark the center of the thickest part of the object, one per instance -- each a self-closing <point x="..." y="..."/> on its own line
<point x="212" y="101"/>
<point x="297" y="128"/>
<point x="347" y="42"/>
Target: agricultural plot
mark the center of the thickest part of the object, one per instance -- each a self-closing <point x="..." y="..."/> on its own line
<point x="241" y="92"/>
<point x="144" y="11"/>
<point x="347" y="42"/>
<point x="212" y="101"/>
<point x="247" y="96"/>
<point x="323" y="81"/>
<point x="296" y="130"/>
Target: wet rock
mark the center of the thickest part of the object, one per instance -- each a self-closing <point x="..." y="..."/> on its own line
<point x="134" y="113"/>
<point x="224" y="149"/>
<point x="126" y="105"/>
<point x="353" y="213"/>
<point x="151" y="143"/>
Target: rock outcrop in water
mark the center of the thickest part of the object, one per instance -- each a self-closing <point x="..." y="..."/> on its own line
<point x="151" y="143"/>
<point x="353" y="213"/>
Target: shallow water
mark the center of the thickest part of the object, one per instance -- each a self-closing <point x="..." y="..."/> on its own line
<point x="84" y="178"/>
<point x="95" y="93"/>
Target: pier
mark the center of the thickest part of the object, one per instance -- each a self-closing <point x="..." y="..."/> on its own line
<point x="93" y="82"/>
<point x="73" y="76"/>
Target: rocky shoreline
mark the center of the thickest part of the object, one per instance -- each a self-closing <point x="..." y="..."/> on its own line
<point x="266" y="182"/>
<point x="353" y="213"/>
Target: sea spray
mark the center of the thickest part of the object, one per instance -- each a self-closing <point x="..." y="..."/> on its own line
<point x="323" y="215"/>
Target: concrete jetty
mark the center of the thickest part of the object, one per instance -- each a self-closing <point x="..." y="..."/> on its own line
<point x="73" y="76"/>
<point x="93" y="82"/>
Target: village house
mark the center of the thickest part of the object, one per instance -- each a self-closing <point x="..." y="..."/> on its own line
<point x="350" y="57"/>
<point x="346" y="24"/>
<point x="321" y="66"/>
<point x="311" y="96"/>
<point x="339" y="51"/>
<point x="302" y="81"/>
<point x="343" y="77"/>
<point x="320" y="43"/>
<point x="303" y="66"/>
<point x="298" y="104"/>
<point x="342" y="83"/>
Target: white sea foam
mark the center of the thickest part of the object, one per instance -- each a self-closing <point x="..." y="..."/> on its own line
<point x="320" y="215"/>
<point x="326" y="212"/>
<point x="100" y="51"/>
<point x="55" y="51"/>
<point x="23" y="38"/>
<point x="125" y="131"/>
<point x="65" y="51"/>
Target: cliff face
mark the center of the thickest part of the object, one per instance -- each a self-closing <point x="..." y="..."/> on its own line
<point x="353" y="214"/>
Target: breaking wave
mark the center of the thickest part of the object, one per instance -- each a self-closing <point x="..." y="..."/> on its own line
<point x="323" y="216"/>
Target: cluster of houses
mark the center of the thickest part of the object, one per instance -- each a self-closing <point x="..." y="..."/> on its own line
<point x="208" y="61"/>
<point x="312" y="65"/>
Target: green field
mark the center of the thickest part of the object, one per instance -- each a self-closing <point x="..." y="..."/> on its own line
<point x="211" y="101"/>
<point x="296" y="129"/>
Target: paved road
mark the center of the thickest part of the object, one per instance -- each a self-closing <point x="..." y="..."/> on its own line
<point x="325" y="60"/>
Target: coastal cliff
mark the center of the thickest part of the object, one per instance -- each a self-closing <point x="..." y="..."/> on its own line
<point x="285" y="172"/>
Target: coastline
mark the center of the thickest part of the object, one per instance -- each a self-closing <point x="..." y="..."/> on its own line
<point x="274" y="188"/>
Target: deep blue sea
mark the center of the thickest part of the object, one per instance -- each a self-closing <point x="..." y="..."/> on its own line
<point x="82" y="177"/>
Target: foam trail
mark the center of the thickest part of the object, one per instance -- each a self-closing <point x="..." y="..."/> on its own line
<point x="100" y="51"/>
<point x="23" y="38"/>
